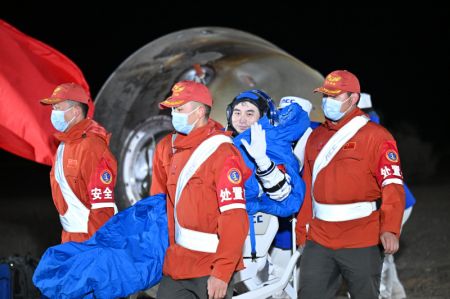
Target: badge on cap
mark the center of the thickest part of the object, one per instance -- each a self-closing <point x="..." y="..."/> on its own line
<point x="392" y="156"/>
<point x="177" y="89"/>
<point x="333" y="79"/>
<point x="234" y="175"/>
<point x="106" y="177"/>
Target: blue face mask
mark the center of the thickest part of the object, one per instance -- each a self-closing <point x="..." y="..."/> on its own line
<point x="180" y="122"/>
<point x="58" y="121"/>
<point x="332" y="108"/>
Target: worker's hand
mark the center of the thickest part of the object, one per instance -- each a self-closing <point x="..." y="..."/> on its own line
<point x="217" y="288"/>
<point x="390" y="242"/>
<point x="257" y="149"/>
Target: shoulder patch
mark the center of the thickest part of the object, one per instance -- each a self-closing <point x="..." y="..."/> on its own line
<point x="349" y="145"/>
<point x="106" y="177"/>
<point x="392" y="156"/>
<point x="234" y="175"/>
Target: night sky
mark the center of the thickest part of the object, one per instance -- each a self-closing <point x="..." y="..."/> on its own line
<point x="400" y="56"/>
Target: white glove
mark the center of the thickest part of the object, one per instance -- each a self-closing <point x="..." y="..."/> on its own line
<point x="258" y="147"/>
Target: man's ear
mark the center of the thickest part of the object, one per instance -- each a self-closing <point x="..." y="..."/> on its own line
<point x="355" y="98"/>
<point x="78" y="109"/>
<point x="203" y="109"/>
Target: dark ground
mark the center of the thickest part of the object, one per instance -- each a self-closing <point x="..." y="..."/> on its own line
<point x="423" y="261"/>
<point x="30" y="225"/>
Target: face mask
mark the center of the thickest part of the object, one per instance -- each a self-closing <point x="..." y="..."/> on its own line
<point x="58" y="121"/>
<point x="180" y="122"/>
<point x="332" y="108"/>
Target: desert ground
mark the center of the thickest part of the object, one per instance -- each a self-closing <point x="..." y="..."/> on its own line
<point x="30" y="225"/>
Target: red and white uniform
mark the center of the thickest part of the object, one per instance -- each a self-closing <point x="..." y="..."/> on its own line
<point x="366" y="168"/>
<point x="212" y="202"/>
<point x="82" y="180"/>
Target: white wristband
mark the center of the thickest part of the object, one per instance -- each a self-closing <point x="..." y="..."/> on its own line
<point x="263" y="163"/>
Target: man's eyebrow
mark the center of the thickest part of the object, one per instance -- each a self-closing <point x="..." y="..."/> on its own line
<point x="248" y="110"/>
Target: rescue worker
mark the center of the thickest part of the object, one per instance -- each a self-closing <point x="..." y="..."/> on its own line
<point x="354" y="200"/>
<point x="203" y="175"/>
<point x="84" y="171"/>
<point x="390" y="285"/>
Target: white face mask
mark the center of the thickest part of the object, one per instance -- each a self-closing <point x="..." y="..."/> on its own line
<point x="332" y="108"/>
<point x="58" y="121"/>
<point x="180" y="121"/>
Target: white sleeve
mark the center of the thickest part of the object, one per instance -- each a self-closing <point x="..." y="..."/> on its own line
<point x="299" y="149"/>
<point x="275" y="183"/>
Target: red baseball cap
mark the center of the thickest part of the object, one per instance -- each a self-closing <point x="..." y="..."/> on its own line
<point x="186" y="91"/>
<point x="338" y="82"/>
<point x="67" y="91"/>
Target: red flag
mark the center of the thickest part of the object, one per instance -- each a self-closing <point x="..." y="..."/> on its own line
<point x="29" y="71"/>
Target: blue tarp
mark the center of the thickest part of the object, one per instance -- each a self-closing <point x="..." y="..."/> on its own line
<point x="124" y="256"/>
<point x="5" y="281"/>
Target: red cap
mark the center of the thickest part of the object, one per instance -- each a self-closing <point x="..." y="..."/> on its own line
<point x="338" y="82"/>
<point x="67" y="91"/>
<point x="186" y="91"/>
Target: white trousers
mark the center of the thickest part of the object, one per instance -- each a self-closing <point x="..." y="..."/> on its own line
<point x="390" y="285"/>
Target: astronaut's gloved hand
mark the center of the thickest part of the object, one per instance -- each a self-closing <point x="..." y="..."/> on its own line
<point x="258" y="146"/>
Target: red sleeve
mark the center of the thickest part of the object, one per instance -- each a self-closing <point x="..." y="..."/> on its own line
<point x="389" y="171"/>
<point x="101" y="185"/>
<point x="230" y="185"/>
<point x="98" y="217"/>
<point x="305" y="214"/>
<point x="232" y="231"/>
<point x="159" y="177"/>
<point x="390" y="179"/>
<point x="101" y="171"/>
<point x="230" y="175"/>
<point x="392" y="208"/>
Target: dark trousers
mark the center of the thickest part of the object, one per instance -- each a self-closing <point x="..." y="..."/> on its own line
<point x="321" y="268"/>
<point x="193" y="288"/>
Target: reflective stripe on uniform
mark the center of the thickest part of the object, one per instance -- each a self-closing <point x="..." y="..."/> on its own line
<point x="75" y="220"/>
<point x="187" y="238"/>
<point x="339" y="212"/>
